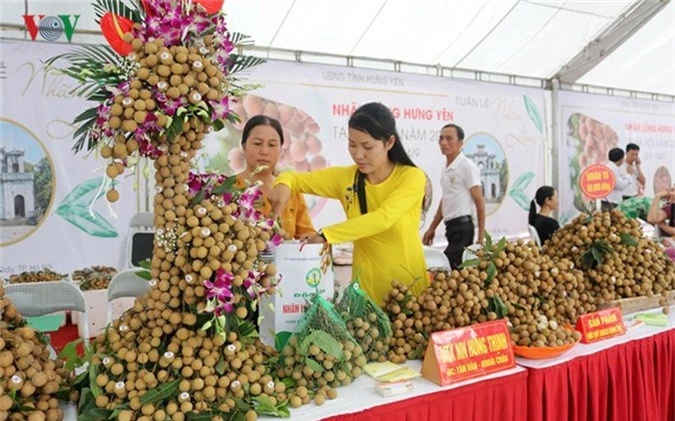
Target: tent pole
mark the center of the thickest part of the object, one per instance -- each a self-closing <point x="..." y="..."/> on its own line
<point x="555" y="134"/>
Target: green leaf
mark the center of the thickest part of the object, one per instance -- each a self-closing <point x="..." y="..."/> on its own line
<point x="240" y="63"/>
<point x="94" y="414"/>
<point x="309" y="362"/>
<point x="597" y="255"/>
<point x="281" y="339"/>
<point x="198" y="198"/>
<point x="491" y="271"/>
<point x="226" y="187"/>
<point x="501" y="245"/>
<point x="240" y="405"/>
<point x="162" y="392"/>
<point x="218" y="125"/>
<point x="145" y="264"/>
<point x="95" y="388"/>
<point x="12" y="394"/>
<point x="144" y="274"/>
<point x="264" y="406"/>
<point x="89" y="221"/>
<point x="70" y="356"/>
<point x="87" y="400"/>
<point x="470" y="263"/>
<point x="207" y="325"/>
<point x="289" y="382"/>
<point x="531" y="108"/>
<point x="237" y="38"/>
<point x="118" y="7"/>
<point x="628" y="239"/>
<point x="246" y="329"/>
<point x="115" y="414"/>
<point x="174" y="129"/>
<point x="220" y="366"/>
<point x="323" y="340"/>
<point x="488" y="241"/>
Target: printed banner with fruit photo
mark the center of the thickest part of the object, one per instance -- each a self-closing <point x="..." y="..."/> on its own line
<point x="504" y="128"/>
<point x="591" y="125"/>
<point x="53" y="209"/>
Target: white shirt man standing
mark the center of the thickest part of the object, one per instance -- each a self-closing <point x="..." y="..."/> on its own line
<point x="632" y="167"/>
<point x="461" y="192"/>
<point x="621" y="180"/>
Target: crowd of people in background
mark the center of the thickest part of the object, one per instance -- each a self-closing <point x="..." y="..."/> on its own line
<point x="382" y="194"/>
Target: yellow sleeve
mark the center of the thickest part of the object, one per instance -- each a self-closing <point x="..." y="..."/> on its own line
<point x="325" y="183"/>
<point x="408" y="193"/>
<point x="303" y="222"/>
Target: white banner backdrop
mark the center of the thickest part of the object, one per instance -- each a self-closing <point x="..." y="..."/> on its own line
<point x="504" y="127"/>
<point x="53" y="213"/>
<point x="591" y="125"/>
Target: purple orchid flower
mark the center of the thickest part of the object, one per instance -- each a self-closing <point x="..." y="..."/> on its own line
<point x="221" y="287"/>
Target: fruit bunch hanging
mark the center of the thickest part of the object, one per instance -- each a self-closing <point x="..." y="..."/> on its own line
<point x="30" y="380"/>
<point x="188" y="348"/>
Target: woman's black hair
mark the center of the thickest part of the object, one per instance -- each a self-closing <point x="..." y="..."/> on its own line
<point x="377" y="120"/>
<point x="261" y="120"/>
<point x="543" y="193"/>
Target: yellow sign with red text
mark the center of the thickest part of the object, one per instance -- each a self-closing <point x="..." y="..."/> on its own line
<point x="601" y="325"/>
<point x="460" y="354"/>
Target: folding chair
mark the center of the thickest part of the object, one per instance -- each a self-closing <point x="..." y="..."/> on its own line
<point x="125" y="284"/>
<point x="534" y="235"/>
<point x="436" y="258"/>
<point x="39" y="299"/>
<point x="140" y="241"/>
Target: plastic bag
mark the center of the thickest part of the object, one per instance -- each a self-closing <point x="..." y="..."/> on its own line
<point x="321" y="352"/>
<point x="366" y="322"/>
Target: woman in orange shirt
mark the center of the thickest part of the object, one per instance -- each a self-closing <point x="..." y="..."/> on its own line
<point x="261" y="141"/>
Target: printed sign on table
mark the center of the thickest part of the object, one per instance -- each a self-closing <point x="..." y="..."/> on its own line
<point x="601" y="325"/>
<point x="460" y="354"/>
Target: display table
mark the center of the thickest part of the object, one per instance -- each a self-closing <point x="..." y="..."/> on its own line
<point x="501" y="396"/>
<point x="630" y="377"/>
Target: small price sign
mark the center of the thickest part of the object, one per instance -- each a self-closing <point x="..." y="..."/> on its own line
<point x="597" y="181"/>
<point x="460" y="354"/>
<point x="601" y="325"/>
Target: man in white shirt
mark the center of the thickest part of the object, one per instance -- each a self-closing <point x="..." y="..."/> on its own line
<point x="632" y="167"/>
<point x="621" y="180"/>
<point x="461" y="191"/>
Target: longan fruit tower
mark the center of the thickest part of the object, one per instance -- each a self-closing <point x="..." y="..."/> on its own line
<point x="186" y="346"/>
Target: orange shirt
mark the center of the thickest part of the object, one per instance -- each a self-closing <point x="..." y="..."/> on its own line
<point x="295" y="219"/>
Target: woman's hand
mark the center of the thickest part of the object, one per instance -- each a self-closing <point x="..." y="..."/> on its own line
<point x="278" y="198"/>
<point x="313" y="239"/>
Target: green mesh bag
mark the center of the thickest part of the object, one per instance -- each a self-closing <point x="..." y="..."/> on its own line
<point x="321" y="352"/>
<point x="636" y="207"/>
<point x="366" y="322"/>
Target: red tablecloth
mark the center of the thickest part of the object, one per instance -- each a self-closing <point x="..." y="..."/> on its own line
<point x="631" y="381"/>
<point x="501" y="399"/>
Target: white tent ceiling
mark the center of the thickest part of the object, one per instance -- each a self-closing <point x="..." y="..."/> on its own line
<point x="533" y="38"/>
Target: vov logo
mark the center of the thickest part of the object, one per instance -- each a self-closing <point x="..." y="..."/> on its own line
<point x="51" y="28"/>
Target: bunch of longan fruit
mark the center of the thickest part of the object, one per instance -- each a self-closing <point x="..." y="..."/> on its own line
<point x="29" y="379"/>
